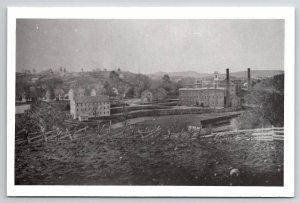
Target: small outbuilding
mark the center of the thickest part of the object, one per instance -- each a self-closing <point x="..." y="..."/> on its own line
<point x="152" y="95"/>
<point x="83" y="117"/>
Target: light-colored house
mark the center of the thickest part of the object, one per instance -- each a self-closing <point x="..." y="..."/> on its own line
<point x="34" y="80"/>
<point x="49" y="95"/>
<point x="93" y="92"/>
<point x="97" y="91"/>
<point x="59" y="94"/>
<point x="91" y="106"/>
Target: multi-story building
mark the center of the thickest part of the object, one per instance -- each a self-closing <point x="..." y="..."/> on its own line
<point x="90" y="106"/>
<point x="204" y="97"/>
<point x="216" y="93"/>
<point x="232" y="87"/>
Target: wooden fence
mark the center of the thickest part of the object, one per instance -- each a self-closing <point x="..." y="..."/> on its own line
<point x="54" y="135"/>
<point x="262" y="134"/>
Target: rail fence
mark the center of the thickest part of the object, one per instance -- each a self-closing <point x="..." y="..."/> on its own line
<point x="261" y="134"/>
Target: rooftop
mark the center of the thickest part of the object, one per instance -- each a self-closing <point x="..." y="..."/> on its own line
<point x="203" y="88"/>
<point x="91" y="99"/>
<point x="155" y="90"/>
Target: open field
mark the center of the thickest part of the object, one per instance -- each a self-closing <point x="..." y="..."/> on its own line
<point x="175" y="122"/>
<point x="133" y="160"/>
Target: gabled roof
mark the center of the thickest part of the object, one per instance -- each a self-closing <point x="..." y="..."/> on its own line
<point x="162" y="90"/>
<point x="202" y="88"/>
<point x="91" y="99"/>
<point x="157" y="90"/>
<point x="223" y="82"/>
<point x="59" y="92"/>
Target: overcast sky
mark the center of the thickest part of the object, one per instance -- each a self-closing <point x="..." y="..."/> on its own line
<point x="149" y="46"/>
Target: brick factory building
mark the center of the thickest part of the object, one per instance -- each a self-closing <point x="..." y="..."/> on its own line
<point x="204" y="97"/>
<point x="218" y="93"/>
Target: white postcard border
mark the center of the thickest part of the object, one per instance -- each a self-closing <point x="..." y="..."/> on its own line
<point x="286" y="13"/>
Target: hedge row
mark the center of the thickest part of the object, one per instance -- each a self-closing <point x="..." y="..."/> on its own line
<point x="163" y="112"/>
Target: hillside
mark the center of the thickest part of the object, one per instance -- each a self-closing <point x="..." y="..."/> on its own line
<point x="257" y="73"/>
<point x="182" y="74"/>
<point x="240" y="74"/>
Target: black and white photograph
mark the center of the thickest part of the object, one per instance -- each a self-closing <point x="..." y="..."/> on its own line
<point x="150" y="102"/>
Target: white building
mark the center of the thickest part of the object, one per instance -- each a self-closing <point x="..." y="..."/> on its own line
<point x="90" y="106"/>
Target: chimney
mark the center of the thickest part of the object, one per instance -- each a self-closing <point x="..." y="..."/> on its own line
<point x="227" y="88"/>
<point x="227" y="74"/>
<point x="249" y="79"/>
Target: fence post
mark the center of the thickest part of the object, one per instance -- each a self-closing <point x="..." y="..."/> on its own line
<point x="169" y="133"/>
<point x="123" y="133"/>
<point x="180" y="134"/>
<point x="109" y="128"/>
<point x="70" y="136"/>
<point x="99" y="132"/>
<point x="57" y="133"/>
<point x="44" y="135"/>
<point x="98" y="125"/>
<point x="199" y="132"/>
<point x="133" y="131"/>
<point x="28" y="140"/>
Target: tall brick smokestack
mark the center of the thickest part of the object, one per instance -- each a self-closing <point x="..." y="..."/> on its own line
<point x="227" y="88"/>
<point x="249" y="79"/>
<point x="227" y="74"/>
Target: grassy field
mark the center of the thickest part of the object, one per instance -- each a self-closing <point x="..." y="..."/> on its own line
<point x="118" y="160"/>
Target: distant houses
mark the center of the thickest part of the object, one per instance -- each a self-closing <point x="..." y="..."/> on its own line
<point x="55" y="95"/>
<point x="80" y="92"/>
